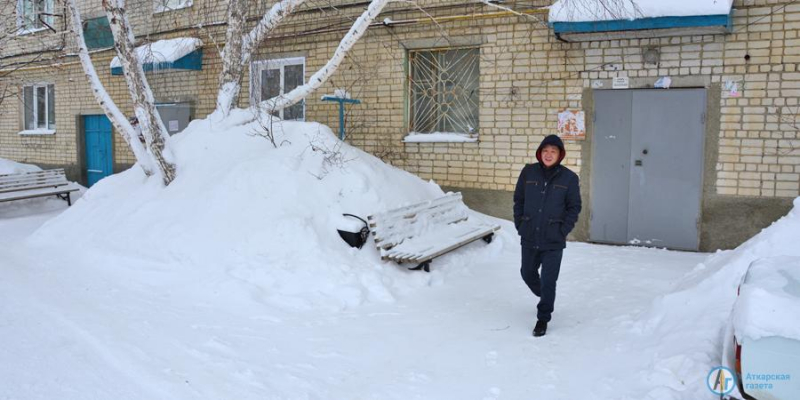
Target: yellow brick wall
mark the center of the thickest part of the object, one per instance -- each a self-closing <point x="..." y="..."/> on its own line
<point x="527" y="77"/>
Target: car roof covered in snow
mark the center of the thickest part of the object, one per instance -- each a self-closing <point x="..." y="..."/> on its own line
<point x="769" y="299"/>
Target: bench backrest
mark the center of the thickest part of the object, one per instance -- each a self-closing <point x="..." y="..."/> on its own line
<point x="33" y="180"/>
<point x="394" y="226"/>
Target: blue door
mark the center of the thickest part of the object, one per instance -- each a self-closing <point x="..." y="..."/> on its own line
<point x="99" y="154"/>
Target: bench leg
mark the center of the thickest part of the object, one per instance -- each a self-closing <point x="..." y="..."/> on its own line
<point x="426" y="266"/>
<point x="66" y="198"/>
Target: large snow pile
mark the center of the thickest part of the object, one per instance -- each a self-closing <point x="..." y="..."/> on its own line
<point x="769" y="300"/>
<point x="582" y="10"/>
<point x="244" y="218"/>
<point x="694" y="324"/>
<point x="13" y="167"/>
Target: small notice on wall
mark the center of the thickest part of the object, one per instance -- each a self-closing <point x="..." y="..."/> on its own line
<point x="572" y="125"/>
<point x="731" y="89"/>
<point x="620" y="82"/>
<point x="173" y="126"/>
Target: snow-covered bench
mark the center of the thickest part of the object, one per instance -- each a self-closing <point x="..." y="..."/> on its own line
<point x="421" y="232"/>
<point x="28" y="185"/>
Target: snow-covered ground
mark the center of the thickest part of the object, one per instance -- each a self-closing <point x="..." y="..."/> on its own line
<point x="79" y="325"/>
<point x="232" y="283"/>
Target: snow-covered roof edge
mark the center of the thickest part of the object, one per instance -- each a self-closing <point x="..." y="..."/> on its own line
<point x="589" y="11"/>
<point x="163" y="51"/>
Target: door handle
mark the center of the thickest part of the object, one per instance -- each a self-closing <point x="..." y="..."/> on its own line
<point x="638" y="163"/>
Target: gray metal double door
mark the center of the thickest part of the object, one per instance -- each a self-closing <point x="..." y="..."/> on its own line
<point x="647" y="167"/>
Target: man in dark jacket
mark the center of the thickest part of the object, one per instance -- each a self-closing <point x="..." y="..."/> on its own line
<point x="547" y="202"/>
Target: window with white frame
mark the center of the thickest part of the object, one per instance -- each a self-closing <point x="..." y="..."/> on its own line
<point x="39" y="108"/>
<point x="34" y="15"/>
<point x="443" y="91"/>
<point x="169" y="5"/>
<point x="271" y="78"/>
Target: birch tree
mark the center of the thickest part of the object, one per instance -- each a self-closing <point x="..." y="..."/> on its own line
<point x="155" y="156"/>
<point x="117" y="118"/>
<point x="144" y="103"/>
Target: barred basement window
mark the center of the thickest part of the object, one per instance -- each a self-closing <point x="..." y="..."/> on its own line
<point x="34" y="15"/>
<point x="444" y="91"/>
<point x="39" y="105"/>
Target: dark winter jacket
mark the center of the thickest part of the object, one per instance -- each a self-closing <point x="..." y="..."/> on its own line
<point x="546" y="202"/>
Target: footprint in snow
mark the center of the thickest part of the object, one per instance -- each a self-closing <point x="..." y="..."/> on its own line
<point x="491" y="359"/>
<point x="494" y="394"/>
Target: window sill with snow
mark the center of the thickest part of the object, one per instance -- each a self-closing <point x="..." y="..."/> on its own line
<point x="37" y="132"/>
<point x="169" y="6"/>
<point x="29" y="31"/>
<point x="440" y="137"/>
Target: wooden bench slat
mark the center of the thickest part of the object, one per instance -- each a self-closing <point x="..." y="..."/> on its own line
<point x="392" y="227"/>
<point x="51" y="172"/>
<point x="29" y="194"/>
<point x="437" y="209"/>
<point x="28" y="181"/>
<point x="395" y="235"/>
<point x="34" y="185"/>
<point x="430" y="252"/>
<point x="451" y="197"/>
<point x="4" y="179"/>
<point x="44" y="171"/>
<point x="34" y="180"/>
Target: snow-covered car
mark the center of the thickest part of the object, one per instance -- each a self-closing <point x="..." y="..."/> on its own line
<point x="766" y="321"/>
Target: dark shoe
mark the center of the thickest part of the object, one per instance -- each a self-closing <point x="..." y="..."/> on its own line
<point x="540" y="329"/>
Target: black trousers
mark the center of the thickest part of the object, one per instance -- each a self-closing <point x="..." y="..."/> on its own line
<point x="542" y="285"/>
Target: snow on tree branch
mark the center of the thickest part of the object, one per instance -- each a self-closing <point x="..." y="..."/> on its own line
<point x="239" y="47"/>
<point x="358" y="29"/>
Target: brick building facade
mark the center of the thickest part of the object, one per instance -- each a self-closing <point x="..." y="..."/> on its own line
<point x="526" y="76"/>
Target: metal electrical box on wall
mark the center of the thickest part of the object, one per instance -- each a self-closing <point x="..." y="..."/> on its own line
<point x="176" y="116"/>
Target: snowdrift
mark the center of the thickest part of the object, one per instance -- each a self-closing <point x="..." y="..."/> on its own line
<point x="696" y="321"/>
<point x="13" y="167"/>
<point x="247" y="220"/>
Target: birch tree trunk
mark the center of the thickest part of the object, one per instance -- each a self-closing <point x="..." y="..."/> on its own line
<point x="239" y="47"/>
<point x="153" y="129"/>
<point x="110" y="108"/>
<point x="230" y="79"/>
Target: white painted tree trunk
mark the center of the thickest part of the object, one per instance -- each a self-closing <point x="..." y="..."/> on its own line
<point x="153" y="129"/>
<point x="319" y="78"/>
<point x="239" y="47"/>
<point x="110" y="108"/>
<point x="230" y="79"/>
